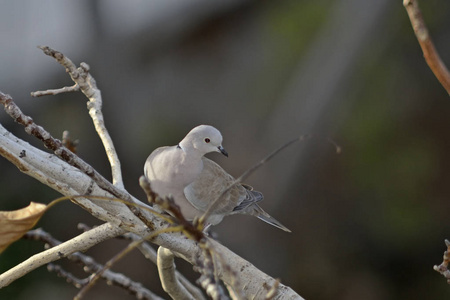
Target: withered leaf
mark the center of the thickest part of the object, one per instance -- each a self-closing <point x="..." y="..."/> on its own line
<point x="14" y="224"/>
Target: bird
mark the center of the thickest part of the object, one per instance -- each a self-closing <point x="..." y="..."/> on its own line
<point x="194" y="181"/>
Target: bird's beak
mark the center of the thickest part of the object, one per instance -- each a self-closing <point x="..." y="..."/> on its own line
<point x="223" y="151"/>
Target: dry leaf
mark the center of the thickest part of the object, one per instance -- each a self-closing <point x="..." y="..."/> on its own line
<point x="14" y="224"/>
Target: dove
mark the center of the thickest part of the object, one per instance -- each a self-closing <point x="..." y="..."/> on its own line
<point x="194" y="181"/>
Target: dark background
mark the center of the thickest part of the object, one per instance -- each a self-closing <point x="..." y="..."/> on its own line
<point x="367" y="224"/>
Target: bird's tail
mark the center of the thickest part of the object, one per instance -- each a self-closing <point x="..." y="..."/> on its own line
<point x="258" y="212"/>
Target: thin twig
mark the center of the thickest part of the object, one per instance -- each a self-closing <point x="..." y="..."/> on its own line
<point x="66" y="89"/>
<point x="429" y="51"/>
<point x="70" y="278"/>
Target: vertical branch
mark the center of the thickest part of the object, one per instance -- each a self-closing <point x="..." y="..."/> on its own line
<point x="86" y="83"/>
<point x="429" y="51"/>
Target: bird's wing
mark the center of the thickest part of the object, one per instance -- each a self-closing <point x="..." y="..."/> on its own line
<point x="210" y="185"/>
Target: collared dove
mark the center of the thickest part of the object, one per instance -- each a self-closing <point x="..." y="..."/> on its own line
<point x="194" y="181"/>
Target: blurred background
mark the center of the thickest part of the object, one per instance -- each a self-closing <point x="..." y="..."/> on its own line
<point x="369" y="223"/>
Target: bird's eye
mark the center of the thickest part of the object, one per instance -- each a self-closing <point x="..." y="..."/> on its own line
<point x="207" y="140"/>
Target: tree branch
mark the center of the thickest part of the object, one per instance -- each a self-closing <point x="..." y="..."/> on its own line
<point x="80" y="243"/>
<point x="151" y="255"/>
<point x="429" y="51"/>
<point x="66" y="89"/>
<point x="86" y="83"/>
<point x="91" y="266"/>
<point x="65" y="154"/>
<point x="70" y="278"/>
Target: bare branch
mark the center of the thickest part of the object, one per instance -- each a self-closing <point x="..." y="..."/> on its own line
<point x="80" y="243"/>
<point x="169" y="281"/>
<point x="100" y="272"/>
<point x="209" y="279"/>
<point x="234" y="286"/>
<point x="429" y="51"/>
<point x="70" y="278"/>
<point x="247" y="273"/>
<point x="88" y="86"/>
<point x="66" y="89"/>
<point x="65" y="154"/>
<point x="91" y="266"/>
<point x="151" y="255"/>
<point x="55" y="173"/>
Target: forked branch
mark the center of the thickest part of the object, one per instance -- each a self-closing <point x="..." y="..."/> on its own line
<point x="86" y="83"/>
